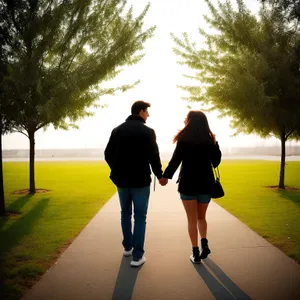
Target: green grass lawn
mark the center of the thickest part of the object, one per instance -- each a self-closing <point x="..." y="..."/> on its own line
<point x="273" y="214"/>
<point x="31" y="241"/>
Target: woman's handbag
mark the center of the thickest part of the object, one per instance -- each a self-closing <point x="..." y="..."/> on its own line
<point x="218" y="191"/>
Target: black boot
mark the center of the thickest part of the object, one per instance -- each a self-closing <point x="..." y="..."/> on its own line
<point x="195" y="257"/>
<point x="205" y="248"/>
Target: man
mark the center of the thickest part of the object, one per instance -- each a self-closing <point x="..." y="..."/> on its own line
<point x="131" y="149"/>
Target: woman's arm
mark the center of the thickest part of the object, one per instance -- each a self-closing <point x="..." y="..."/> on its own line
<point x="174" y="162"/>
<point x="216" y="155"/>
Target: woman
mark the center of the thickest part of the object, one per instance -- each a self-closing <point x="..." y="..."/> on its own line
<point x="197" y="150"/>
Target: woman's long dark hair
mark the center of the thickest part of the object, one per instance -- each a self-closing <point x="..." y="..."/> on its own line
<point x="196" y="128"/>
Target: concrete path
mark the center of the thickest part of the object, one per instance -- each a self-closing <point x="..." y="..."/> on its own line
<point x="242" y="264"/>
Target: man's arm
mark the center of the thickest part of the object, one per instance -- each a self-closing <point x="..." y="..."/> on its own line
<point x="154" y="158"/>
<point x="110" y="150"/>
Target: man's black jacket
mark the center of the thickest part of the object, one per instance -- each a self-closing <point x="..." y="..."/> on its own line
<point x="131" y="148"/>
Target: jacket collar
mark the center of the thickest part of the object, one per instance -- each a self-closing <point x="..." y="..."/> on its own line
<point x="135" y="117"/>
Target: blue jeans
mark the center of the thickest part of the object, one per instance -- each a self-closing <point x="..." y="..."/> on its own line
<point x="140" y="198"/>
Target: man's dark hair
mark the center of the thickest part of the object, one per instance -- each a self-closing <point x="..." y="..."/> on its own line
<point x="138" y="106"/>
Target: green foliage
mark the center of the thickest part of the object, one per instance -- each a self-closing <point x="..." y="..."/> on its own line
<point x="58" y="52"/>
<point x="248" y="70"/>
<point x="289" y="8"/>
<point x="6" y="122"/>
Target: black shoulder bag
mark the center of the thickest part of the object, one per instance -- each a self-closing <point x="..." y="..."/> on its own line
<point x="218" y="191"/>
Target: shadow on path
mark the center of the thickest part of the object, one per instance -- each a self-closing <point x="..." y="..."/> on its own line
<point x="220" y="285"/>
<point x="126" y="280"/>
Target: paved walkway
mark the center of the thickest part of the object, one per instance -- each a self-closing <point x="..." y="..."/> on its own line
<point x="242" y="264"/>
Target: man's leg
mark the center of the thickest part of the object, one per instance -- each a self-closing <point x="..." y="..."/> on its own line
<point x="140" y="197"/>
<point x="125" y="198"/>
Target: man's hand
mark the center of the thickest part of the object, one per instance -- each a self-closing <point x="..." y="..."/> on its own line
<point x="163" y="181"/>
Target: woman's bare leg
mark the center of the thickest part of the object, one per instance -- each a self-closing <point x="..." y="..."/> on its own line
<point x="190" y="207"/>
<point x="202" y="224"/>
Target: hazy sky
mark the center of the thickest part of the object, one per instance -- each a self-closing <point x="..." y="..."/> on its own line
<point x="159" y="74"/>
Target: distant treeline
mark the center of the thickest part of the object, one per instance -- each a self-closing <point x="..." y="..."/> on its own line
<point x="261" y="150"/>
<point x="99" y="152"/>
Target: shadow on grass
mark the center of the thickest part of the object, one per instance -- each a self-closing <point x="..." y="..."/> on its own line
<point x="10" y="238"/>
<point x="220" y="285"/>
<point x="15" y="208"/>
<point x="126" y="280"/>
<point x="17" y="205"/>
<point x="21" y="227"/>
<point x="293" y="196"/>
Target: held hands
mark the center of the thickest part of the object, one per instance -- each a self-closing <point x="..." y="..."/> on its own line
<point x="163" y="181"/>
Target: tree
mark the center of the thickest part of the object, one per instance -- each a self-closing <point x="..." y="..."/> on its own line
<point x="290" y="8"/>
<point x="5" y="127"/>
<point x="248" y="70"/>
<point x="6" y="123"/>
<point x="58" y="53"/>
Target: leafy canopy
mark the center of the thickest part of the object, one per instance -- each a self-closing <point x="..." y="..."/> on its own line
<point x="248" y="70"/>
<point x="58" y="52"/>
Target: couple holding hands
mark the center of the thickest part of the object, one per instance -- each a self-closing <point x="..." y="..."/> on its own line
<point x="130" y="152"/>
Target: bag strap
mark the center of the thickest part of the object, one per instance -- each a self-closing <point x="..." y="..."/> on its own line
<point x="216" y="172"/>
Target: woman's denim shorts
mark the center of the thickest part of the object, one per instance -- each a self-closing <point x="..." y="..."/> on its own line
<point x="200" y="198"/>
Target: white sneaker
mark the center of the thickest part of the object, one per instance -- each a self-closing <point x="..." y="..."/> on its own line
<point x="128" y="253"/>
<point x="139" y="262"/>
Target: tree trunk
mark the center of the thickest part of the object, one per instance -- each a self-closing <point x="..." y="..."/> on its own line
<point x="2" y="202"/>
<point x="282" y="164"/>
<point x="31" y="163"/>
